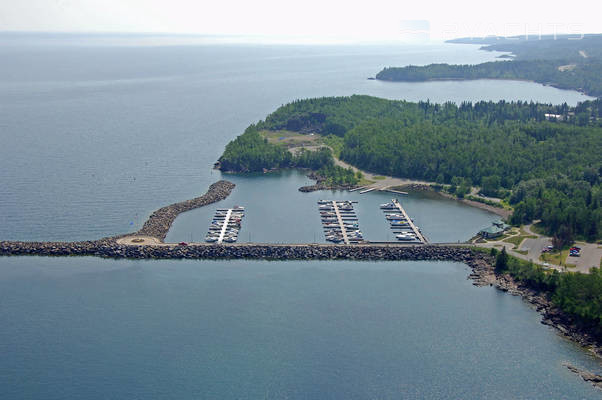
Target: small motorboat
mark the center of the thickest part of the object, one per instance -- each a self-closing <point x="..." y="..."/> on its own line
<point x="406" y="236"/>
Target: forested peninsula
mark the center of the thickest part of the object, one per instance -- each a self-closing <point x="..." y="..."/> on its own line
<point x="543" y="159"/>
<point x="562" y="61"/>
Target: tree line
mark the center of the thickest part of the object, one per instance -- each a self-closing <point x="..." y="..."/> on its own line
<point x="548" y="170"/>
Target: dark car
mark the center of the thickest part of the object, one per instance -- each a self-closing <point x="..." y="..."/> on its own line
<point x="182" y="244"/>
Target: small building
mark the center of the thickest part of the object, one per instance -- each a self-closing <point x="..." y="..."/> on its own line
<point x="496" y="229"/>
<point x="491" y="232"/>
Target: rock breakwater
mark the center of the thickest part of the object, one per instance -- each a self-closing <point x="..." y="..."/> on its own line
<point x="111" y="249"/>
<point x="160" y="221"/>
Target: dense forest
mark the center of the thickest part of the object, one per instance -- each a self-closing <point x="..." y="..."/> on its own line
<point x="563" y="62"/>
<point x="547" y="169"/>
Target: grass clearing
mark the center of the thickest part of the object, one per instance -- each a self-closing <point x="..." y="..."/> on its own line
<point x="556" y="257"/>
<point x="378" y="177"/>
<point x="290" y="139"/>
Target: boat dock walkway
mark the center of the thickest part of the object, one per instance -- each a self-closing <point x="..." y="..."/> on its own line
<point x="341" y="225"/>
<point x="339" y="221"/>
<point x="413" y="227"/>
<point x="224" y="226"/>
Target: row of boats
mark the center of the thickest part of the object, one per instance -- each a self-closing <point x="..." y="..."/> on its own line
<point x="225" y="225"/>
<point x="399" y="223"/>
<point x="339" y="221"/>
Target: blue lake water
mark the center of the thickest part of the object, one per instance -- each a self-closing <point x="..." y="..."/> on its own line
<point x="105" y="329"/>
<point x="276" y="212"/>
<point x="95" y="136"/>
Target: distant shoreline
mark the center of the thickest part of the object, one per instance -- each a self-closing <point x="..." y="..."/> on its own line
<point x="550" y="84"/>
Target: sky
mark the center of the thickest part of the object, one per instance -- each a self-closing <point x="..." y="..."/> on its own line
<point x="310" y="20"/>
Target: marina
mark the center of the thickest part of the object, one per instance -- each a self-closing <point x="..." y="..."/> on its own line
<point x="340" y="222"/>
<point x="225" y="225"/>
<point x="401" y="224"/>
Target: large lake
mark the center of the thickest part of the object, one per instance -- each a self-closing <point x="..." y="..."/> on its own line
<point x="96" y="134"/>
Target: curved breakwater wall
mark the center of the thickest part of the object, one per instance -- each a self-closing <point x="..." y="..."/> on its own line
<point x="160" y="221"/>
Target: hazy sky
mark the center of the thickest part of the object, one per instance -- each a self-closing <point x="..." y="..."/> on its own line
<point x="331" y="20"/>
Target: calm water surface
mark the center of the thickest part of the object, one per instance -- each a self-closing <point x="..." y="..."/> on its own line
<point x="277" y="212"/>
<point x="94" y="138"/>
<point x="104" y="329"/>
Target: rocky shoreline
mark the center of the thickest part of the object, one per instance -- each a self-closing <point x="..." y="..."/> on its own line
<point x="316" y="187"/>
<point x="483" y="274"/>
<point x="319" y="185"/>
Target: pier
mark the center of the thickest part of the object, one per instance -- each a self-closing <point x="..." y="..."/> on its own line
<point x="341" y="225"/>
<point x="340" y="222"/>
<point x="224" y="226"/>
<point x="413" y="227"/>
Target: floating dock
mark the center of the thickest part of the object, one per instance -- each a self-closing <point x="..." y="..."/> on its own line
<point x="339" y="221"/>
<point x="225" y="225"/>
<point x="399" y="219"/>
<point x="367" y="190"/>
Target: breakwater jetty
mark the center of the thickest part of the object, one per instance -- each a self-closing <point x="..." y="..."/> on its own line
<point x="160" y="221"/>
<point x="110" y="248"/>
